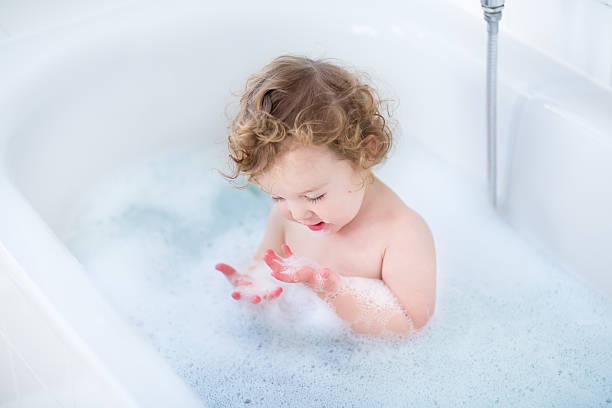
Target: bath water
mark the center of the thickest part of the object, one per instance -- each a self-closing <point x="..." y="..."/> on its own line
<point x="511" y="328"/>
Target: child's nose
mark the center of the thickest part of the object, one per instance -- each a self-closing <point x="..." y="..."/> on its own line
<point x="300" y="212"/>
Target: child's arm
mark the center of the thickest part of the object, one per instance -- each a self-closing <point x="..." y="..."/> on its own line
<point x="409" y="270"/>
<point x="409" y="273"/>
<point x="409" y="276"/>
<point x="365" y="314"/>
<point x="274" y="236"/>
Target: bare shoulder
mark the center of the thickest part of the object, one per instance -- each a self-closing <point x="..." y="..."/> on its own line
<point x="410" y="226"/>
<point x="403" y="222"/>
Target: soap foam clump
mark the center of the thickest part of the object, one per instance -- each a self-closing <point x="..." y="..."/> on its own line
<point x="297" y="310"/>
<point x="373" y="297"/>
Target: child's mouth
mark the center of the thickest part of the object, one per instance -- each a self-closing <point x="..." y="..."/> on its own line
<point x="317" y="227"/>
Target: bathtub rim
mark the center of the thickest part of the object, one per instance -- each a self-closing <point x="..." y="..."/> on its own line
<point x="34" y="215"/>
<point x="100" y="339"/>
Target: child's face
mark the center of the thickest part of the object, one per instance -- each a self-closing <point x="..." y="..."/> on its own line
<point x="311" y="186"/>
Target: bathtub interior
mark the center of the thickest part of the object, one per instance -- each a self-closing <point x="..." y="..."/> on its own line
<point x="170" y="58"/>
<point x="495" y="293"/>
<point x="88" y="128"/>
<point x="545" y="112"/>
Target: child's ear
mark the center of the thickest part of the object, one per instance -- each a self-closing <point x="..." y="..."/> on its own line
<point x="371" y="147"/>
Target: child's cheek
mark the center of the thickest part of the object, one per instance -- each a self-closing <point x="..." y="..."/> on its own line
<point x="284" y="211"/>
<point x="345" y="212"/>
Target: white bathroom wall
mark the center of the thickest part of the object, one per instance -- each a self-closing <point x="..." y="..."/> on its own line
<point x="577" y="33"/>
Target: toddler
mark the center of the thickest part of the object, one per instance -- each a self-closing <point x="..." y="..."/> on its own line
<point x="308" y="133"/>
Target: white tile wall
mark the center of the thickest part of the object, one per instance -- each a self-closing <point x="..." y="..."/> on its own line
<point x="577" y="33"/>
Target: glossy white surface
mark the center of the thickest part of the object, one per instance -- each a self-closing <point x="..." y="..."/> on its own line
<point x="44" y="363"/>
<point x="576" y="33"/>
<point x="85" y="99"/>
<point x="19" y="18"/>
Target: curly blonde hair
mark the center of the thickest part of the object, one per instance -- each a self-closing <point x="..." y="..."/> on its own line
<point x="296" y="101"/>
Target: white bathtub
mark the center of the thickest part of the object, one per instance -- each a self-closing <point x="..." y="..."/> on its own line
<point x="78" y="102"/>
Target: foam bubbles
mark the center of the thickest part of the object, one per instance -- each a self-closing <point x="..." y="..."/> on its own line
<point x="510" y="328"/>
<point x="377" y="304"/>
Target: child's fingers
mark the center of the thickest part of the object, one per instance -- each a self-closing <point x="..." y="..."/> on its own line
<point x="252" y="298"/>
<point x="273" y="261"/>
<point x="225" y="268"/>
<point x="272" y="255"/>
<point x="230" y="273"/>
<point x="232" y="276"/>
<point x="329" y="279"/>
<point x="286" y="250"/>
<point x="273" y="293"/>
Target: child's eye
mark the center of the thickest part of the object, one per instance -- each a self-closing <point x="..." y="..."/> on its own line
<point x="314" y="200"/>
<point x="277" y="198"/>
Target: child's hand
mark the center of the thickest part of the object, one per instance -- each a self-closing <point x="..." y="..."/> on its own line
<point x="244" y="287"/>
<point x="292" y="270"/>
